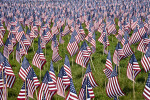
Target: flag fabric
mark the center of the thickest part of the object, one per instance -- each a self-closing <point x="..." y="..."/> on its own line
<point x="126" y="48"/>
<point x="62" y="82"/>
<point x="147" y="88"/>
<point x="60" y="36"/>
<point x="8" y="48"/>
<point x="19" y="52"/>
<point x="118" y="54"/>
<point x="72" y="46"/>
<point x="52" y="72"/>
<point x="3" y="86"/>
<point x="72" y="95"/>
<point x="25" y="68"/>
<point x="143" y="43"/>
<point x="113" y="87"/>
<point x="83" y="56"/>
<point x="19" y="34"/>
<point x="145" y="61"/>
<point x="89" y="74"/>
<point x="133" y="68"/>
<point x="47" y="86"/>
<point x="82" y="33"/>
<point x="86" y="89"/>
<point x="142" y="29"/>
<point x="39" y="59"/>
<point x="32" y="82"/>
<point x="108" y="70"/>
<point x="55" y="57"/>
<point x="23" y="94"/>
<point x="135" y="37"/>
<point x="67" y="67"/>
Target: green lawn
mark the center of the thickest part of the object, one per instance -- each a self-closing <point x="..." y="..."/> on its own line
<point x="99" y="62"/>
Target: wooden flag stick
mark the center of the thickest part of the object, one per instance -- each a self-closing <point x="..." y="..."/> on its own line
<point x="40" y="72"/>
<point x="72" y="61"/>
<point x="92" y="63"/>
<point x="3" y="83"/>
<point x="33" y="45"/>
<point x="103" y="50"/>
<point x="133" y="87"/>
<point x="25" y="88"/>
<point x="86" y="89"/>
<point x="36" y="93"/>
<point x="45" y="57"/>
<point x="6" y="88"/>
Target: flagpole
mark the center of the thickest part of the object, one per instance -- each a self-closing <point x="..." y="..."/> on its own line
<point x="36" y="93"/>
<point x="92" y="63"/>
<point x="45" y="55"/>
<point x="25" y="88"/>
<point x="72" y="60"/>
<point x="133" y="86"/>
<point x="86" y="89"/>
<point x="3" y="83"/>
<point x="12" y="44"/>
<point x="6" y="88"/>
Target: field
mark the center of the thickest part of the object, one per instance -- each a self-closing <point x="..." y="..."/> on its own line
<point x="99" y="63"/>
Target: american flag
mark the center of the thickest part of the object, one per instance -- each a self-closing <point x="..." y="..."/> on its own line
<point x="60" y="36"/>
<point x="86" y="89"/>
<point x="39" y="59"/>
<point x="145" y="61"/>
<point x="60" y="86"/>
<point x="135" y="37"/>
<point x="8" y="48"/>
<point x="134" y="22"/>
<point x="25" y="42"/>
<point x="83" y="56"/>
<point x="10" y="74"/>
<point x="32" y="82"/>
<point x="25" y="68"/>
<point x="72" y="95"/>
<point x="55" y="57"/>
<point x="52" y="72"/>
<point x="126" y="48"/>
<point x="53" y="77"/>
<point x="142" y="29"/>
<point x="118" y="54"/>
<point x="143" y="43"/>
<point x="147" y="88"/>
<point x="76" y="35"/>
<point x="133" y="68"/>
<point x="34" y="30"/>
<point x="1" y="42"/>
<point x="67" y="67"/>
<point x="108" y="70"/>
<point x="19" y="34"/>
<point x="47" y="86"/>
<point x="48" y="32"/>
<point x="72" y="46"/>
<point x="112" y="28"/>
<point x="2" y="30"/>
<point x="82" y="33"/>
<point x="66" y="30"/>
<point x="105" y="42"/>
<point x="113" y="87"/>
<point x="89" y="74"/>
<point x="45" y="37"/>
<point x="20" y="51"/>
<point x="55" y="29"/>
<point x="23" y="94"/>
<point x="3" y="85"/>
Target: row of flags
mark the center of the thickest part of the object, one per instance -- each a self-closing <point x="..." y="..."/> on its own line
<point x="26" y="21"/>
<point x="51" y="85"/>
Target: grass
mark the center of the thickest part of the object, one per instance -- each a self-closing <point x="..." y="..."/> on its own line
<point x="99" y="62"/>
